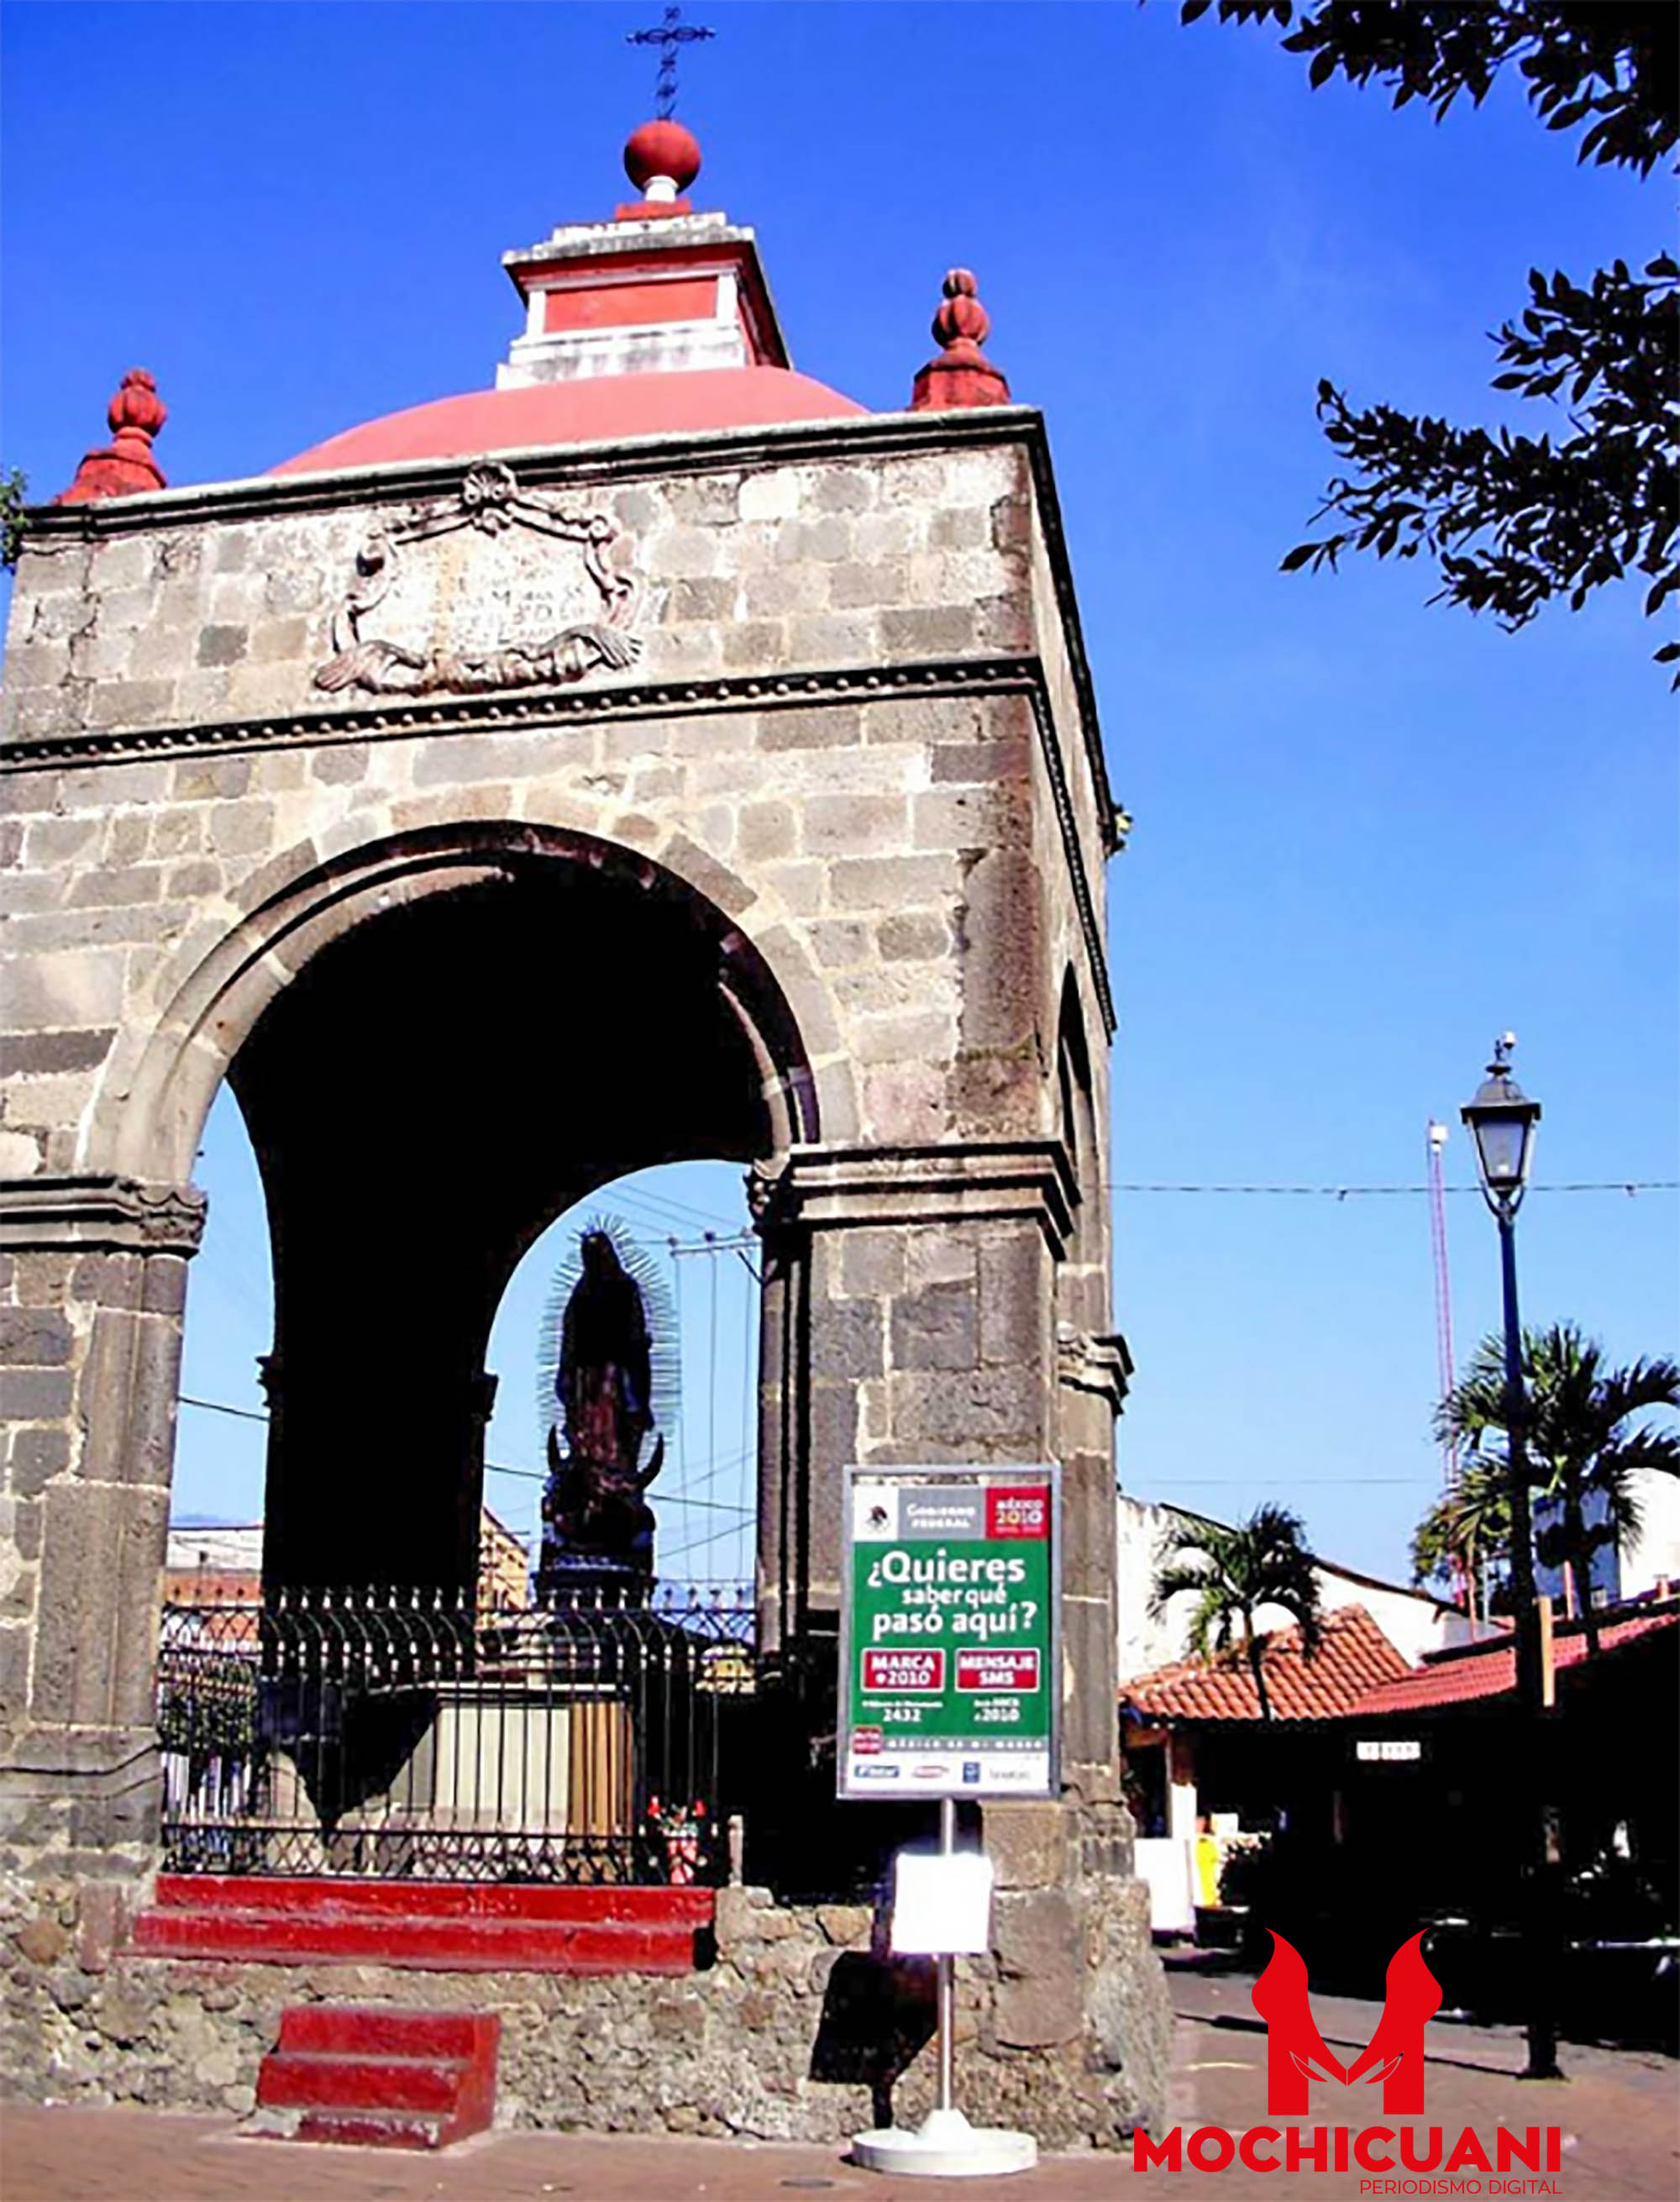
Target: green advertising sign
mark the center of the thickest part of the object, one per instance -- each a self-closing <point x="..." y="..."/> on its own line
<point x="950" y="1633"/>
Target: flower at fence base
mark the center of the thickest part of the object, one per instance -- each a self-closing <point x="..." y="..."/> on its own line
<point x="680" y="1843"/>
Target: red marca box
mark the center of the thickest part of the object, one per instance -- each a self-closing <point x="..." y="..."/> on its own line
<point x="1018" y="1511"/>
<point x="903" y="1670"/>
<point x="997" y="1670"/>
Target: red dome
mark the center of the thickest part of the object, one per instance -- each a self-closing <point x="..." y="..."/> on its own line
<point x="601" y="409"/>
<point x="662" y="149"/>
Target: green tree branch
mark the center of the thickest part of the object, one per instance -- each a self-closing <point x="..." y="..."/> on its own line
<point x="1512" y="521"/>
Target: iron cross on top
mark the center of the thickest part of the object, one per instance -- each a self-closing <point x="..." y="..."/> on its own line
<point x="671" y="36"/>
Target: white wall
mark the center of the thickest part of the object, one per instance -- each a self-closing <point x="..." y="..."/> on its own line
<point x="1654" y="1555"/>
<point x="222" y="1550"/>
<point x="1412" y="1622"/>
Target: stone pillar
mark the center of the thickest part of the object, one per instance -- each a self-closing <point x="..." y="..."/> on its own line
<point x="912" y="1301"/>
<point x="1092" y="1370"/>
<point x="94" y="1287"/>
<point x="909" y="1317"/>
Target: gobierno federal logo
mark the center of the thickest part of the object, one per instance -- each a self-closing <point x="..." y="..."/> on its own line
<point x="1398" y="2158"/>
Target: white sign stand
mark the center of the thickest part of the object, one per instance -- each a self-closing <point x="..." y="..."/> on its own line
<point x="945" y="2145"/>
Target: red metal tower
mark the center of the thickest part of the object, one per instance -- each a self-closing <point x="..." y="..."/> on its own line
<point x="1445" y="1360"/>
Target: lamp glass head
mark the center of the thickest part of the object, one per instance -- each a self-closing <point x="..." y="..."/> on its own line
<point x="1501" y="1119"/>
<point x="1502" y="1149"/>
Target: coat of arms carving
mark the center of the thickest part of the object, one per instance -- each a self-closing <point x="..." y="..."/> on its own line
<point x="494" y="608"/>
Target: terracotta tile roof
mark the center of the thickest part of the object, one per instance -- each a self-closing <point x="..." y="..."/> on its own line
<point x="1474" y="1672"/>
<point x="1353" y="1658"/>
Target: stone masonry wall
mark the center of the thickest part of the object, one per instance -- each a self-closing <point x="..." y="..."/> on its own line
<point x="203" y="610"/>
<point x="863" y="790"/>
<point x="758" y="583"/>
<point x="133" y="874"/>
<point x="794" y="2033"/>
<point x="826" y="678"/>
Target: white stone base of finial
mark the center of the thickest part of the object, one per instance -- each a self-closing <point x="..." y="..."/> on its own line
<point x="661" y="190"/>
<point x="946" y="2147"/>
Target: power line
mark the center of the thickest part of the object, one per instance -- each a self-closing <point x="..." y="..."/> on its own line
<point x="1629" y="1187"/>
<point x="700" y="1543"/>
<point x="615" y="1193"/>
<point x="221" y="1407"/>
<point x="491" y="1467"/>
<point x="676" y="1494"/>
<point x="1286" y="1482"/>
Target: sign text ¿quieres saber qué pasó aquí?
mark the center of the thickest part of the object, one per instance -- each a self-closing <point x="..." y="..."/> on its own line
<point x="949" y="1638"/>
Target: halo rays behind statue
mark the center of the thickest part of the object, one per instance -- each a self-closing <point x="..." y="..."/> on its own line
<point x="609" y="1393"/>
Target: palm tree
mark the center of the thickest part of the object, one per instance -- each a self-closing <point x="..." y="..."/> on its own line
<point x="1234" y="1572"/>
<point x="1465" y="1535"/>
<point x="1585" y="1441"/>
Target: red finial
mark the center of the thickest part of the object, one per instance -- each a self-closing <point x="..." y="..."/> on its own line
<point x="125" y="465"/>
<point x="962" y="374"/>
<point x="661" y="159"/>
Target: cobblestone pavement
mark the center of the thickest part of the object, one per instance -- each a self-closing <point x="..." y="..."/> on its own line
<point x="1619" y="2113"/>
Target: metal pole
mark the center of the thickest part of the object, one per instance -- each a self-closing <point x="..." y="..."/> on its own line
<point x="1522" y="1522"/>
<point x="1540" y="1940"/>
<point x="947" y="1971"/>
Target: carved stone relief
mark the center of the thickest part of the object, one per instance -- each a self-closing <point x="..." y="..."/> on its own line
<point x="481" y="613"/>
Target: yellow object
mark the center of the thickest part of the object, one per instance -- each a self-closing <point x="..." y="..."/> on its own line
<point x="1207" y="1869"/>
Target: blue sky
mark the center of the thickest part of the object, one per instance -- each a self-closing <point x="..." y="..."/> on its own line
<point x="1370" y="833"/>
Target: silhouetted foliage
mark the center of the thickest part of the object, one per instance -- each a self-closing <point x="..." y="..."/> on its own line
<point x="1512" y="521"/>
<point x="1585" y="1440"/>
<point x="13" y="496"/>
<point x="1464" y="1541"/>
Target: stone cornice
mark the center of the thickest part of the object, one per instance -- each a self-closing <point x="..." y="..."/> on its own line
<point x="1067" y="602"/>
<point x="1068" y="822"/>
<point x="108" y="1214"/>
<point x="398" y="718"/>
<point x="1096" y="1361"/>
<point x="633" y="458"/>
<point x="402" y="718"/>
<point x="966" y="1181"/>
<point x="872" y="435"/>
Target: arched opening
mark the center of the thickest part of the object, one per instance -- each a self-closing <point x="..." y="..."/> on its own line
<point x="505" y="1049"/>
<point x="1082" y="1284"/>
<point x="687" y="1229"/>
<point x="691" y="1219"/>
<point x="429" y="1092"/>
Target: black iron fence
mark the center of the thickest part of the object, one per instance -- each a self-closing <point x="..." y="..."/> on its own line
<point x="398" y="1734"/>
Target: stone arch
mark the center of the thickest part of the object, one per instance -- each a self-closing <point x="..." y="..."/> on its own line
<point x="147" y="1126"/>
<point x="439" y="1041"/>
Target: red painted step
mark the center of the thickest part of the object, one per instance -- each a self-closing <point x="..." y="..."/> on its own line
<point x="443" y="1926"/>
<point x="317" y="2030"/>
<point x="489" y="1899"/>
<point x="338" y="2082"/>
<point x="380" y="2076"/>
<point x="439" y="1945"/>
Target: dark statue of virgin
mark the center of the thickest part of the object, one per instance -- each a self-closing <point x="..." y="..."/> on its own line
<point x="598" y="1526"/>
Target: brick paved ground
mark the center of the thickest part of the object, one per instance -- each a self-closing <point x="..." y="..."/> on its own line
<point x="1619" y="2112"/>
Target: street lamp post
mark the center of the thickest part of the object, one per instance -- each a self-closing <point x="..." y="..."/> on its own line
<point x="1501" y="1119"/>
